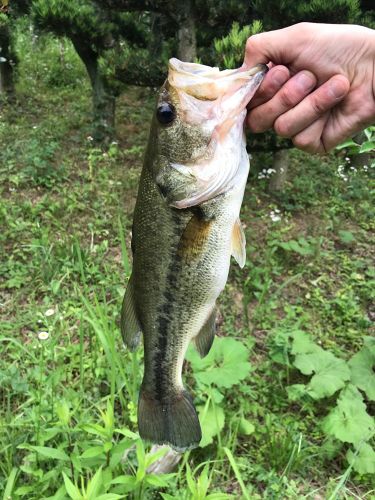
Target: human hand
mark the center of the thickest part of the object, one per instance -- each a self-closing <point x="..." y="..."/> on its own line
<point x="321" y="87"/>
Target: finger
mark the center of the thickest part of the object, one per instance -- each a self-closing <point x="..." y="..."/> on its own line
<point x="273" y="81"/>
<point x="312" y="107"/>
<point x="297" y="88"/>
<point x="311" y="138"/>
<point x="278" y="46"/>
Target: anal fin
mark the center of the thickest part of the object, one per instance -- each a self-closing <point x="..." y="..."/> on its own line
<point x="130" y="327"/>
<point x="239" y="243"/>
<point x="204" y="340"/>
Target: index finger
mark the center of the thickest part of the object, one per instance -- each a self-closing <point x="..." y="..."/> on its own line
<point x="272" y="83"/>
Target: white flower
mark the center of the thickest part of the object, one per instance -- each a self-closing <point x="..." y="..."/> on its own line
<point x="271" y="171"/>
<point x="274" y="215"/>
<point x="49" y="312"/>
<point x="89" y="138"/>
<point x="43" y="335"/>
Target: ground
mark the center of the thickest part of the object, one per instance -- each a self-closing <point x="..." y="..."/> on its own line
<point x="68" y="388"/>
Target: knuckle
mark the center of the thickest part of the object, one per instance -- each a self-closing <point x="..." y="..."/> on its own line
<point x="318" y="105"/>
<point x="286" y="98"/>
<point x="304" y="142"/>
<point x="282" y="127"/>
<point x="252" y="43"/>
<point x="255" y="124"/>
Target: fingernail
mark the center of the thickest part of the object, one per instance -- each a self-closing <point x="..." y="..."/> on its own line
<point x="338" y="89"/>
<point x="305" y="80"/>
<point x="280" y="77"/>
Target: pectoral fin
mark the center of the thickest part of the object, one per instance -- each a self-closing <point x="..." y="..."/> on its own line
<point x="239" y="243"/>
<point x="204" y="340"/>
<point x="130" y="327"/>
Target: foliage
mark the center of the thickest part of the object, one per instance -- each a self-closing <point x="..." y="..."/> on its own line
<point x="230" y="49"/>
<point x="348" y="421"/>
<point x="224" y="366"/>
<point x="68" y="389"/>
<point x="367" y="146"/>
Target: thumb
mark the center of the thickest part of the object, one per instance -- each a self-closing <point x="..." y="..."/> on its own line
<point x="278" y="47"/>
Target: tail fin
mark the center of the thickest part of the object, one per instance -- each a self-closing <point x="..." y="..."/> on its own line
<point x="172" y="421"/>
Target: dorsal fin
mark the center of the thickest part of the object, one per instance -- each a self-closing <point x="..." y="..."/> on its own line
<point x="238" y="243"/>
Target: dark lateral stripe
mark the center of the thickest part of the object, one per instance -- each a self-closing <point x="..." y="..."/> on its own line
<point x="165" y="321"/>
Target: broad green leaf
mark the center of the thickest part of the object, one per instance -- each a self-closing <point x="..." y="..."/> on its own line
<point x="225" y="365"/>
<point x="50" y="452"/>
<point x="160" y="481"/>
<point x="71" y="489"/>
<point x="129" y="482"/>
<point x="364" y="461"/>
<point x="368" y="132"/>
<point x="246" y="427"/>
<point x="349" y="421"/>
<point x="92" y="452"/>
<point x="296" y="391"/>
<point x="346" y="144"/>
<point x="302" y="343"/>
<point x="211" y="418"/>
<point x="367" y="146"/>
<point x="330" y="373"/>
<point x="346" y="237"/>
<point x="95" y="429"/>
<point x="362" y="367"/>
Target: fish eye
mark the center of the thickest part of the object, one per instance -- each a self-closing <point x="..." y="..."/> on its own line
<point x="166" y="113"/>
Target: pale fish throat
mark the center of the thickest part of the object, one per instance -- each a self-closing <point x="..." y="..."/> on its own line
<point x="215" y="100"/>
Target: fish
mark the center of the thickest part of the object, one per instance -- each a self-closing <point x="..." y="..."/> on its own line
<point x="185" y="228"/>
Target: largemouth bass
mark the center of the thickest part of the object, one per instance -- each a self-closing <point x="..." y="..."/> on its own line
<point x="186" y="226"/>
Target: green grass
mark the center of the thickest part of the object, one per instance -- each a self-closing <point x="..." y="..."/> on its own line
<point x="68" y="403"/>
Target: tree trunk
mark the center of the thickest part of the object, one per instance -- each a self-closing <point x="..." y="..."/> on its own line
<point x="7" y="89"/>
<point x="186" y="35"/>
<point x="280" y="165"/>
<point x="103" y="100"/>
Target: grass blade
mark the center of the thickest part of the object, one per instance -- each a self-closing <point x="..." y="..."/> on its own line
<point x="10" y="484"/>
<point x="236" y="472"/>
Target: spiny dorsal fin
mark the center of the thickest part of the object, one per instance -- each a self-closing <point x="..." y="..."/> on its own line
<point x="204" y="340"/>
<point x="130" y="327"/>
<point x="238" y="243"/>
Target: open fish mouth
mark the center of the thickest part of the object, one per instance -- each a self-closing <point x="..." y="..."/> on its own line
<point x="210" y="83"/>
<point x="216" y="101"/>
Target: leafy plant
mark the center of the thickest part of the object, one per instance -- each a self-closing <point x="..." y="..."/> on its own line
<point x="224" y="366"/>
<point x="348" y="420"/>
<point x="367" y="146"/>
